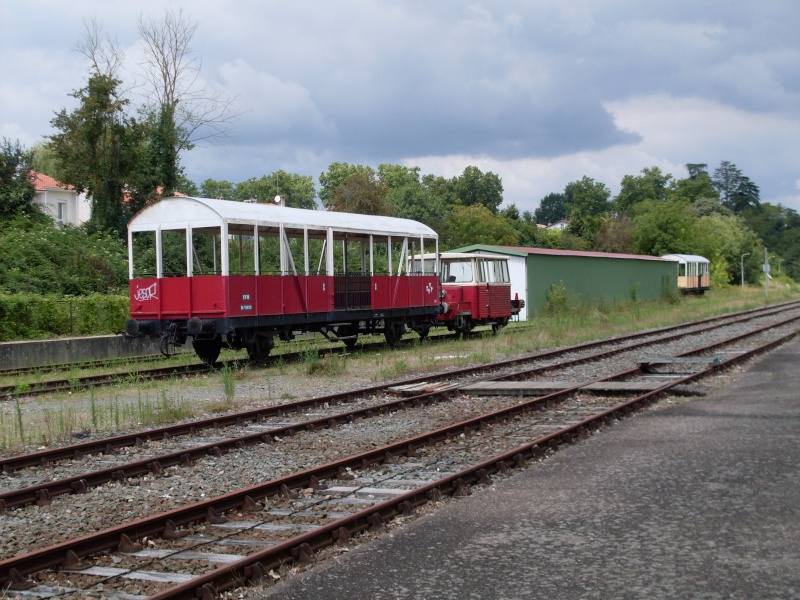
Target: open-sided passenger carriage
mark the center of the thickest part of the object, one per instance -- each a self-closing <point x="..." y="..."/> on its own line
<point x="240" y="274"/>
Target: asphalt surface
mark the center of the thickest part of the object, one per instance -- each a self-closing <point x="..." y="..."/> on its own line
<point x="697" y="499"/>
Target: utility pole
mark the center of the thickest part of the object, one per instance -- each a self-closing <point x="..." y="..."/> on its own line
<point x="766" y="275"/>
<point x="743" y="255"/>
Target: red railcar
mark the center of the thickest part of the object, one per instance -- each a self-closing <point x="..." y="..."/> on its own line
<point x="240" y="274"/>
<point x="476" y="290"/>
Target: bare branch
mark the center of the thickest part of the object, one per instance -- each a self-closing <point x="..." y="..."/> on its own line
<point x="104" y="53"/>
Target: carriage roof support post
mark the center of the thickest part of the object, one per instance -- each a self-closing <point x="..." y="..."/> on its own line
<point x="329" y="252"/>
<point x="189" y="246"/>
<point x="256" y="252"/>
<point x="306" y="269"/>
<point x="159" y="254"/>
<point x="224" y="249"/>
<point x="130" y="254"/>
<point x="389" y="254"/>
<point x="371" y="255"/>
<point x="282" y="250"/>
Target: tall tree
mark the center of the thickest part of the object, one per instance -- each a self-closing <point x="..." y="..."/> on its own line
<point x="588" y="200"/>
<point x="183" y="110"/>
<point x="652" y="184"/>
<point x="336" y="176"/>
<point x="16" y="189"/>
<point x="736" y="191"/>
<point x="696" y="169"/>
<point x="552" y="209"/>
<point x="476" y="187"/>
<point x="364" y="194"/>
<point x="98" y="148"/>
<point x="476" y="224"/>
<point x="219" y="190"/>
<point x="296" y="190"/>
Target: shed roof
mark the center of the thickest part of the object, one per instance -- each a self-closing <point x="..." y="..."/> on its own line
<point x="525" y="251"/>
<point x="178" y="212"/>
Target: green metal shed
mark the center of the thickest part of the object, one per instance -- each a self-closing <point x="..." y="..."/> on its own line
<point x="589" y="277"/>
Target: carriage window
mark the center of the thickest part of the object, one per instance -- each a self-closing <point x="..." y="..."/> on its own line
<point x="457" y="271"/>
<point x="206" y="252"/>
<point x="174" y="252"/>
<point x="240" y="255"/>
<point x="144" y="254"/>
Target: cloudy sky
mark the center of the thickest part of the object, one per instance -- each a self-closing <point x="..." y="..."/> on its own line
<point x="541" y="92"/>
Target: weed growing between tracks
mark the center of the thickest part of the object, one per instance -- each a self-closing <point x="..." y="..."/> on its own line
<point x="126" y="406"/>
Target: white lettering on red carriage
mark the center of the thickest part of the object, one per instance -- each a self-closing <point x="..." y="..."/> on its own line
<point x="429" y="288"/>
<point x="148" y="293"/>
<point x="246" y="307"/>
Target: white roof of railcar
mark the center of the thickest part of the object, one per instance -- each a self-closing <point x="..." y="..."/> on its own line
<point x="686" y="258"/>
<point x="179" y="212"/>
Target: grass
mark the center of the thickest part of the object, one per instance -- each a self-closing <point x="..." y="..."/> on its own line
<point x="45" y="420"/>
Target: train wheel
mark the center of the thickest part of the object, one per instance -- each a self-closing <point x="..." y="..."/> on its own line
<point x="208" y="350"/>
<point x="258" y="350"/>
<point x="393" y="331"/>
<point x="422" y="332"/>
<point x="348" y="334"/>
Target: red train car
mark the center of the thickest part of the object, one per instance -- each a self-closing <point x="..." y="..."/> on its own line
<point x="241" y="274"/>
<point x="476" y="290"/>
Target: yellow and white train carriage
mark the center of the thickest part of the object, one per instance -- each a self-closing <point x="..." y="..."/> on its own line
<point x="694" y="276"/>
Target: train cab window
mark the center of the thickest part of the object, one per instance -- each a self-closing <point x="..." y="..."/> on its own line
<point x="457" y="271"/>
<point x="497" y="271"/>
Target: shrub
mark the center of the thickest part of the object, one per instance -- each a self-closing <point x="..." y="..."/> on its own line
<point x="29" y="316"/>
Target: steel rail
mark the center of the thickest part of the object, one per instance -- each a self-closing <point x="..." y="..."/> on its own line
<point x="42" y="494"/>
<point x="166" y="524"/>
<point x="252" y="568"/>
<point x="112" y="444"/>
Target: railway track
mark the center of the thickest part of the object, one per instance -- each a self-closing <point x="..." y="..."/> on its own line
<point x="120" y="370"/>
<point x="384" y="481"/>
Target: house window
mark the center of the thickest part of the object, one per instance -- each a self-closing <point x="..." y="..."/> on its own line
<point x="62" y="212"/>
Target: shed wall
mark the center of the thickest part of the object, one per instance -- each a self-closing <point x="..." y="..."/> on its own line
<point x="593" y="280"/>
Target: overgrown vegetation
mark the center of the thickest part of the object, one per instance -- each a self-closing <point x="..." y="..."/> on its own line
<point x="28" y="316"/>
<point x="40" y="259"/>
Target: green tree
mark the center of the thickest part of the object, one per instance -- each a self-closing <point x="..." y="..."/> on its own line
<point x="336" y="176"/>
<point x="362" y="193"/>
<point x="476" y="224"/>
<point x="217" y="190"/>
<point x="296" y="190"/>
<point x="693" y="189"/>
<point x="663" y="227"/>
<point x="475" y="187"/>
<point x="724" y="239"/>
<point x="183" y="111"/>
<point x="552" y="209"/>
<point x="98" y="148"/>
<point x="736" y="191"/>
<point x="44" y="159"/>
<point x="651" y="185"/>
<point x="16" y="189"/>
<point x="616" y="234"/>
<point x="588" y="201"/>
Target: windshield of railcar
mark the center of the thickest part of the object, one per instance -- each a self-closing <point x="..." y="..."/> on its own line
<point x="457" y="271"/>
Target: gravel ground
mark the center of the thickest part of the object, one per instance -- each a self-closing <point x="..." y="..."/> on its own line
<point x="29" y="527"/>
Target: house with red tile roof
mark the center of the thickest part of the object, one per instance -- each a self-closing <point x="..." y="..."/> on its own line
<point x="63" y="202"/>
